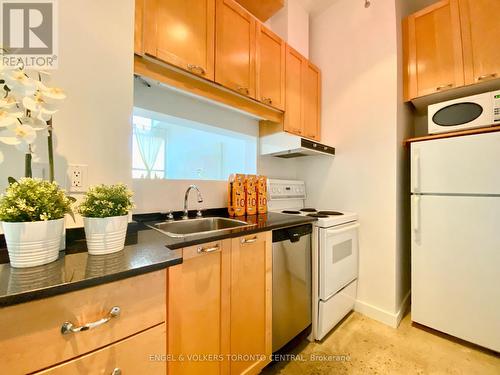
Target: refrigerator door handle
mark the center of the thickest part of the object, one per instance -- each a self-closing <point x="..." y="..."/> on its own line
<point x="415" y="168"/>
<point x="416" y="218"/>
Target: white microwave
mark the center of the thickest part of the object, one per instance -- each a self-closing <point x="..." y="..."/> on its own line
<point x="476" y="111"/>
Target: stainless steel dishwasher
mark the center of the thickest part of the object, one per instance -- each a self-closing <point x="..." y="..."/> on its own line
<point x="291" y="283"/>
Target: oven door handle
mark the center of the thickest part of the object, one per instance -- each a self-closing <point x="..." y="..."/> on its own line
<point x="344" y="229"/>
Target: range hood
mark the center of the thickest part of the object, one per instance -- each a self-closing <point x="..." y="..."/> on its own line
<point x="287" y="146"/>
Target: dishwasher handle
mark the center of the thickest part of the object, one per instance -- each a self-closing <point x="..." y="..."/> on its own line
<point x="292" y="234"/>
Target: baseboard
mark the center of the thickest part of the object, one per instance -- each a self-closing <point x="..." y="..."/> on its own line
<point x="383" y="316"/>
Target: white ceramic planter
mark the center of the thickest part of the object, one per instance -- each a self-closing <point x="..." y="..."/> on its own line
<point x="33" y="243"/>
<point x="105" y="235"/>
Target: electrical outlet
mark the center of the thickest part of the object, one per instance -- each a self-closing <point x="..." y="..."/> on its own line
<point x="77" y="178"/>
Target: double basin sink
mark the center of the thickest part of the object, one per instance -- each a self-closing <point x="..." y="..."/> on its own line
<point x="198" y="226"/>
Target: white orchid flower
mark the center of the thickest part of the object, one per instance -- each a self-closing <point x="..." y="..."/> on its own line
<point x="17" y="134"/>
<point x="9" y="117"/>
<point x="35" y="122"/>
<point x="39" y="106"/>
<point x="48" y="93"/>
<point x="19" y="82"/>
<point x="7" y="102"/>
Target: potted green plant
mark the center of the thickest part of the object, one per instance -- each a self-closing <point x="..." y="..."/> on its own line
<point x="105" y="216"/>
<point x="32" y="216"/>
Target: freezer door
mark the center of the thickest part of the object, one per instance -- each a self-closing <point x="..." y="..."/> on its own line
<point x="461" y="165"/>
<point x="455" y="266"/>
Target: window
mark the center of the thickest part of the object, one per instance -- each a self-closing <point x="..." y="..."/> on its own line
<point x="166" y="147"/>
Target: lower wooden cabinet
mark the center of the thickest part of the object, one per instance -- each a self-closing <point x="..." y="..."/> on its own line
<point x="30" y="333"/>
<point x="143" y="353"/>
<point x="198" y="315"/>
<point x="220" y="307"/>
<point x="251" y="303"/>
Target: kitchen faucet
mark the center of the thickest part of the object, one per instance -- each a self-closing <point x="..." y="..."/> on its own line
<point x="186" y="196"/>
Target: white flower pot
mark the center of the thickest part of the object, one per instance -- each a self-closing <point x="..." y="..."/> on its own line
<point x="33" y="243"/>
<point x="105" y="235"/>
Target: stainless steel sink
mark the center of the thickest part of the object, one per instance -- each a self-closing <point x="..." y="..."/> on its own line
<point x="193" y="227"/>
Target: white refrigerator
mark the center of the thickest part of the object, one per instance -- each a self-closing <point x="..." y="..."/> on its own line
<point x="455" y="186"/>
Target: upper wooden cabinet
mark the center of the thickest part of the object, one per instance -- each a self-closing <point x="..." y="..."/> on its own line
<point x="181" y="33"/>
<point x="294" y="81"/>
<point x="270" y="68"/>
<point x="481" y="36"/>
<point x="263" y="10"/>
<point x="235" y="48"/>
<point x="311" y="101"/>
<point x="433" y="49"/>
<point x="139" y="27"/>
<point x="198" y="315"/>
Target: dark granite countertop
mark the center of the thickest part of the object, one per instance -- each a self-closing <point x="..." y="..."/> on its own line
<point x="149" y="251"/>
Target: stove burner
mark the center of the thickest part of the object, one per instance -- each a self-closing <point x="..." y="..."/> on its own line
<point x="331" y="213"/>
<point x="309" y="210"/>
<point x="291" y="212"/>
<point x="319" y="216"/>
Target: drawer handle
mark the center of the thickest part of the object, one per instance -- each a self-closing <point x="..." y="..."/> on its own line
<point x="196" y="69"/>
<point x="243" y="90"/>
<point x="486" y="76"/>
<point x="448" y="86"/>
<point x="248" y="240"/>
<point x="68" y="327"/>
<point x="117" y="371"/>
<point x="267" y="100"/>
<point x="208" y="249"/>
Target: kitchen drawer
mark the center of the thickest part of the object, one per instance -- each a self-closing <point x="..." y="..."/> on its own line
<point x="143" y="353"/>
<point x="30" y="333"/>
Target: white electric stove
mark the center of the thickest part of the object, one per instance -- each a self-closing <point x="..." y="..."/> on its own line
<point x="334" y="253"/>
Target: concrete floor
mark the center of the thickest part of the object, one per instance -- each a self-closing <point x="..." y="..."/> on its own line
<point x="370" y="347"/>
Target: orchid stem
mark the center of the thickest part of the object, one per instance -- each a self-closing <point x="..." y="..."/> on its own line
<point x="50" y="146"/>
<point x="27" y="165"/>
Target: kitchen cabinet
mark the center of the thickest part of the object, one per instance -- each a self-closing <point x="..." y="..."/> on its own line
<point x="181" y="33"/>
<point x="311" y="101"/>
<point x="433" y="50"/>
<point x="139" y="27"/>
<point x="198" y="296"/>
<point x="129" y="356"/>
<point x="293" y="101"/>
<point x="235" y="48"/>
<point x="480" y="35"/>
<point x="270" y="68"/>
<point x="31" y="336"/>
<point x="251" y="302"/>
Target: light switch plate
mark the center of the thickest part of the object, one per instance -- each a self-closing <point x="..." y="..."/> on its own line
<point x="76" y="178"/>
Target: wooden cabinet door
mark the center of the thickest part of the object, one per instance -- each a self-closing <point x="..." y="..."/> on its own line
<point x="481" y="37"/>
<point x="198" y="310"/>
<point x="235" y="48"/>
<point x="181" y="33"/>
<point x="293" y="91"/>
<point x="433" y="45"/>
<point x="270" y="68"/>
<point x="311" y="101"/>
<point x="138" y="27"/>
<point x="251" y="302"/>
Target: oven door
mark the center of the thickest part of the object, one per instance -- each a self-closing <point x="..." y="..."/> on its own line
<point x="338" y="258"/>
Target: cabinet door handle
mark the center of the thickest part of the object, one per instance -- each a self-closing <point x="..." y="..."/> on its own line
<point x="208" y="249"/>
<point x="196" y="69"/>
<point x="69" y="327"/>
<point x="486" y="76"/>
<point x="243" y="90"/>
<point x="267" y="100"/>
<point x="248" y="240"/>
<point x="448" y="86"/>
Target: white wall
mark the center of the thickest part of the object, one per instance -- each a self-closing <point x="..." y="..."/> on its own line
<point x="357" y="51"/>
<point x="96" y="71"/>
<point x="163" y="195"/>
